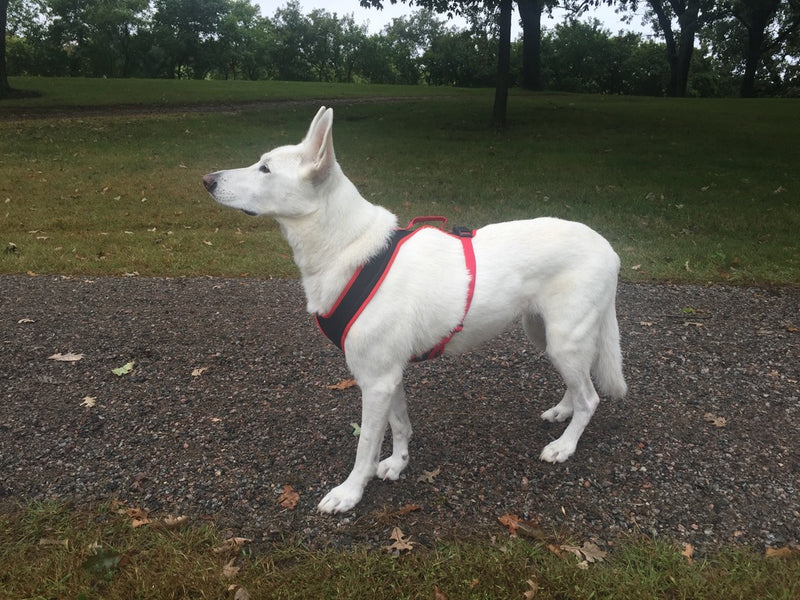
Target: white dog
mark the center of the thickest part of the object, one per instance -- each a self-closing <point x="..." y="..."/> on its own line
<point x="558" y="276"/>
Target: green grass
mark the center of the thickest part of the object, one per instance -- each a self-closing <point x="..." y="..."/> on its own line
<point x="685" y="190"/>
<point x="54" y="551"/>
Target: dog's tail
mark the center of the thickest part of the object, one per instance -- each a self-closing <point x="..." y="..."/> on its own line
<point x="607" y="368"/>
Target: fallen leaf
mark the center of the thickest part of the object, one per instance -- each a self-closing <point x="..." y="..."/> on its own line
<point x="688" y="553"/>
<point x="199" y="371"/>
<point x="401" y="542"/>
<point x="533" y="588"/>
<point x="138" y="517"/>
<point x="510" y="521"/>
<point x="356" y="429"/>
<point x="68" y="357"/>
<point x="592" y="553"/>
<point x="124" y="369"/>
<point x="229" y="569"/>
<point x="232" y="544"/>
<point x="438" y="594"/>
<point x="89" y="401"/>
<point x="588" y="553"/>
<point x="171" y="522"/>
<point x="409" y="508"/>
<point x="342" y="385"/>
<point x="241" y="594"/>
<point x="784" y="552"/>
<point x="715" y="420"/>
<point x="429" y="476"/>
<point x="21" y="321"/>
<point x="288" y="498"/>
<point x="103" y="561"/>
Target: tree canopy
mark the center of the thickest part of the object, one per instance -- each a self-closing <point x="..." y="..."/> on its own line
<point x="699" y="47"/>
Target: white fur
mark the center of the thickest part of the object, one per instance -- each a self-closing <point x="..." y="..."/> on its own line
<point x="558" y="277"/>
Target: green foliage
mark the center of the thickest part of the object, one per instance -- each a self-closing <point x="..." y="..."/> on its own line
<point x="230" y="39"/>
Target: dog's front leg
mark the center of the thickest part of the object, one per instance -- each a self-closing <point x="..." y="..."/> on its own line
<point x="391" y="467"/>
<point x="376" y="401"/>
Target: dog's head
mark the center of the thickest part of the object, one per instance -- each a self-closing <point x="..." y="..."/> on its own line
<point x="287" y="181"/>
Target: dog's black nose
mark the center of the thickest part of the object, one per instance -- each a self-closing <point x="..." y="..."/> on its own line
<point x="210" y="181"/>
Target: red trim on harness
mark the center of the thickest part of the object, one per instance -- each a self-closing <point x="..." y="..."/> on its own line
<point x="364" y="284"/>
<point x="469" y="258"/>
<point x="377" y="285"/>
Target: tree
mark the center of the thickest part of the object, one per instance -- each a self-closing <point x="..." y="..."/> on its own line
<point x="239" y="42"/>
<point x="500" y="108"/>
<point x="5" y="87"/>
<point x="768" y="25"/>
<point x="530" y="13"/>
<point x="185" y="31"/>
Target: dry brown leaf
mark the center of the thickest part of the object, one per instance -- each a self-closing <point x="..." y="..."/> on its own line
<point x="289" y="497"/>
<point x="688" y="552"/>
<point x="171" y="522"/>
<point x="229" y="569"/>
<point x="89" y="401"/>
<point x="68" y="357"/>
<point x="342" y="385"/>
<point x="429" y="476"/>
<point x="784" y="552"/>
<point x="510" y="521"/>
<point x="199" y="371"/>
<point x="592" y="553"/>
<point x="241" y="594"/>
<point x="715" y="420"/>
<point x="138" y="517"/>
<point x="409" y="508"/>
<point x="438" y="594"/>
<point x="532" y="590"/>
<point x="401" y="542"/>
<point x="588" y="553"/>
<point x="233" y="544"/>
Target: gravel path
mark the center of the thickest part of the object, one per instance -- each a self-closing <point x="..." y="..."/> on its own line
<point x="228" y="402"/>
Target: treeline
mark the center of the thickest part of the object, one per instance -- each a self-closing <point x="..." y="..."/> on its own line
<point x="230" y="39"/>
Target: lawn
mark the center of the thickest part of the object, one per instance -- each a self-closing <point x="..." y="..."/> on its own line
<point x="700" y="191"/>
<point x="686" y="190"/>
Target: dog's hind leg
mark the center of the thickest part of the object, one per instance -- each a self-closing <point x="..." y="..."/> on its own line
<point x="391" y="467"/>
<point x="571" y="350"/>
<point x="377" y="395"/>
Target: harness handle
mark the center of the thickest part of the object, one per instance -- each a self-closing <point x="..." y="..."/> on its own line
<point x="417" y="220"/>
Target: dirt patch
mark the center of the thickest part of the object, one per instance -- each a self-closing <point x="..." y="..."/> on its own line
<point x="229" y="401"/>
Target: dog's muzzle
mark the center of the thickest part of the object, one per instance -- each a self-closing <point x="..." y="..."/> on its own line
<point x="210" y="181"/>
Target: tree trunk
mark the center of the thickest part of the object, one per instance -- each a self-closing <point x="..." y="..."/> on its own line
<point x="503" y="66"/>
<point x="669" y="41"/>
<point x="530" y="13"/>
<point x="755" y="17"/>
<point x="5" y="88"/>
<point x="689" y="25"/>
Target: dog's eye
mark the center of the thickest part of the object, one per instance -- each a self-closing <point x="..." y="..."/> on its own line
<point x="264" y="169"/>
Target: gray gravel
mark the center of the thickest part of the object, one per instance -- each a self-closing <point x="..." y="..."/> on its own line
<point x="704" y="449"/>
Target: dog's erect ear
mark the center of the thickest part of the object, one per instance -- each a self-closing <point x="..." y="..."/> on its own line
<point x="318" y="154"/>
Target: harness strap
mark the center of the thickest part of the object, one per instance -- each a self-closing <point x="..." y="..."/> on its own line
<point x="469" y="257"/>
<point x="359" y="290"/>
<point x="368" y="278"/>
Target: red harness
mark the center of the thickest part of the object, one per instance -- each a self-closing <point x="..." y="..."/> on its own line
<point x="368" y="278"/>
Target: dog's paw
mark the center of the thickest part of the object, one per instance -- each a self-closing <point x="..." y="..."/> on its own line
<point x="340" y="499"/>
<point x="390" y="468"/>
<point x="557" y="451"/>
<point x="557" y="414"/>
